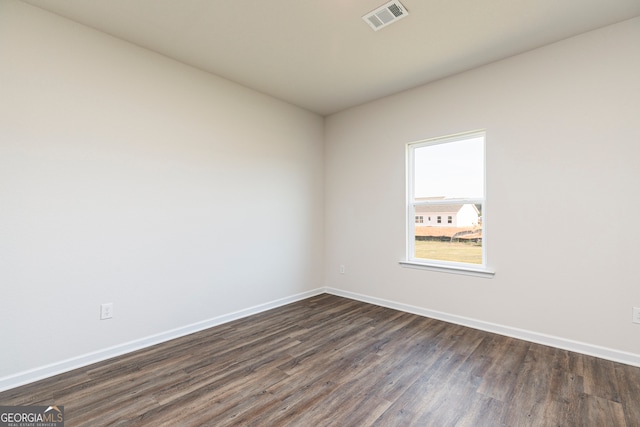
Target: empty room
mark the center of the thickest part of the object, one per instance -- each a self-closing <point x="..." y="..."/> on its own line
<point x="339" y="213"/>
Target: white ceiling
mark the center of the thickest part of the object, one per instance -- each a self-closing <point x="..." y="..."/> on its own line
<point x="320" y="54"/>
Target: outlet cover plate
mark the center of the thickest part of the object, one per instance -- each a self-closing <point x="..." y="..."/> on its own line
<point x="106" y="311"/>
<point x="636" y="314"/>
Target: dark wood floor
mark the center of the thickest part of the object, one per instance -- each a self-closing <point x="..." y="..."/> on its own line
<point x="330" y="361"/>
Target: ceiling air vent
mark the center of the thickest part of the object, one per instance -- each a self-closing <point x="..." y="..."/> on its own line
<point x="385" y="15"/>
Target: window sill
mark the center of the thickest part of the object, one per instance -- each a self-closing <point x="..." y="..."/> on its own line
<point x="453" y="269"/>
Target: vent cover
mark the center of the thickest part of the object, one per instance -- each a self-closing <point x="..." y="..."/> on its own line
<point x="385" y="15"/>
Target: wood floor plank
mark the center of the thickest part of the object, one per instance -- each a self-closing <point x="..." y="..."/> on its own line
<point x="483" y="412"/>
<point x="331" y="361"/>
<point x="564" y="393"/>
<point x="532" y="389"/>
<point x="600" y="379"/>
<point x="507" y="359"/>
<point x="629" y="385"/>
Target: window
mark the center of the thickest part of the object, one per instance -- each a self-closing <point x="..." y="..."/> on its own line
<point x="419" y="219"/>
<point x="446" y="178"/>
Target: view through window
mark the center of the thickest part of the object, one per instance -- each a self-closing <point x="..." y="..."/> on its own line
<point x="446" y="190"/>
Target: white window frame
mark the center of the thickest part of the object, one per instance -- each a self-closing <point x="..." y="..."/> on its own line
<point x="481" y="270"/>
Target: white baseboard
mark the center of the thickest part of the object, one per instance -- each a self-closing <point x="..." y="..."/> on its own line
<point x="47" y="371"/>
<point x="549" y="340"/>
<point x="67" y="365"/>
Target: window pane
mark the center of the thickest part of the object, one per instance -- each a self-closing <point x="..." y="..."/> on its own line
<point x="450" y="170"/>
<point x="447" y="191"/>
<point x="457" y="240"/>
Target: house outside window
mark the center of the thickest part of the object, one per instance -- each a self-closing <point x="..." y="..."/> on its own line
<point x="446" y="178"/>
<point x="419" y="219"/>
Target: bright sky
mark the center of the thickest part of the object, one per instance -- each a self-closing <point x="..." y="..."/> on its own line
<point x="453" y="169"/>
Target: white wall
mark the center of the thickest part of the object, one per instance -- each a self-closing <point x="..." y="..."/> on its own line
<point x="126" y="177"/>
<point x="563" y="140"/>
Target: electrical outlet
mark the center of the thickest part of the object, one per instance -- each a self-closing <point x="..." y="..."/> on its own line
<point x="636" y="315"/>
<point x="106" y="311"/>
<point x="342" y="269"/>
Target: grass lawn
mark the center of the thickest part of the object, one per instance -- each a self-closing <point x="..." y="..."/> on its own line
<point x="446" y="251"/>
